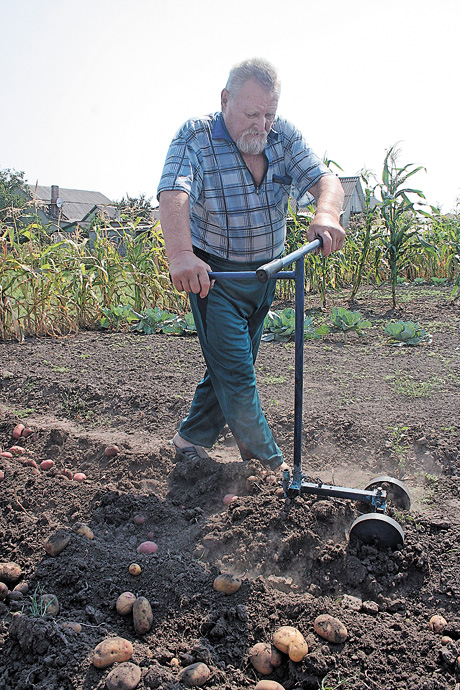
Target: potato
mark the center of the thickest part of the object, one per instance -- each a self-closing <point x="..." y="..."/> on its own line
<point x="67" y="473"/>
<point x="125" y="676"/>
<point x="6" y="454"/>
<point x="135" y="569"/>
<point x="27" y="432"/>
<point x="125" y="603"/>
<point x="17" y="431"/>
<point x="72" y="625"/>
<point x="111" y="650"/>
<point x="147" y="547"/>
<point x="228" y="498"/>
<point x="49" y="604"/>
<point x="3" y="591"/>
<point x="226" y="583"/>
<point x="2" y="475"/>
<point x="331" y="629"/>
<point x="265" y="658"/>
<point x="111" y="451"/>
<point x="290" y="641"/>
<point x="57" y="542"/>
<point x="142" y="615"/>
<point x="268" y="685"/>
<point x="79" y="477"/>
<point x="17" y="450"/>
<point x="139" y="519"/>
<point x="195" y="675"/>
<point x="84" y="530"/>
<point x="10" y="572"/>
<point x="437" y="623"/>
<point x="46" y="464"/>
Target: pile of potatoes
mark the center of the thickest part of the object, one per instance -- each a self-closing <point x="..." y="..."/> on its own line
<point x="268" y="656"/>
<point x="139" y="607"/>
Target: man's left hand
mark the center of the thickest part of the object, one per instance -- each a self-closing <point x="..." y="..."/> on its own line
<point x="326" y="226"/>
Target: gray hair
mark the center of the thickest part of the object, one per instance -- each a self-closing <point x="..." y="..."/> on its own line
<point x="258" y="69"/>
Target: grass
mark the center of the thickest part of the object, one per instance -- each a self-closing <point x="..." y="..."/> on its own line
<point x="273" y="380"/>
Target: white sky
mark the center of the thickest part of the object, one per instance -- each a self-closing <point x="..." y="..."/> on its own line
<point x="92" y="91"/>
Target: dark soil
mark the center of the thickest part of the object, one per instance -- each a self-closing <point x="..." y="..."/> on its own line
<point x="369" y="409"/>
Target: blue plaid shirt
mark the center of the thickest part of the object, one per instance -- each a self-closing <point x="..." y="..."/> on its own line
<point x="230" y="216"/>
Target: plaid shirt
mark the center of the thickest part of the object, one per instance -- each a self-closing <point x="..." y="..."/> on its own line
<point x="230" y="216"/>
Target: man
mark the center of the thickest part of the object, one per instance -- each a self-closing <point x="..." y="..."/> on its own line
<point x="223" y="204"/>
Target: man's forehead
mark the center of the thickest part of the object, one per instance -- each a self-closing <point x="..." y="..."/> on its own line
<point x="255" y="94"/>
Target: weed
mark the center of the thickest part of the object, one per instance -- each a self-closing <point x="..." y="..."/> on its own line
<point x="399" y="445"/>
<point x="340" y="683"/>
<point x="269" y="380"/>
<point x="36" y="607"/>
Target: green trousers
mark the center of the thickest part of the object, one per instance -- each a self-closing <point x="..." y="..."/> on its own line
<point x="229" y="323"/>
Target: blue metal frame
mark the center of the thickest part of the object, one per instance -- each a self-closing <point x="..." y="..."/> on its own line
<point x="273" y="271"/>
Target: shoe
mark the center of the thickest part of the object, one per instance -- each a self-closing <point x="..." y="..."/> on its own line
<point x="188" y="453"/>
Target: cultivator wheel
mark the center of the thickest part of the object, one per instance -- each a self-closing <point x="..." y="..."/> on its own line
<point x="398" y="495"/>
<point x="376" y="528"/>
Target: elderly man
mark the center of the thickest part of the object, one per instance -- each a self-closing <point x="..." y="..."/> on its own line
<point x="223" y="204"/>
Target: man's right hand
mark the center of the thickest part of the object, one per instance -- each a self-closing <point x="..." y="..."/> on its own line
<point x="190" y="274"/>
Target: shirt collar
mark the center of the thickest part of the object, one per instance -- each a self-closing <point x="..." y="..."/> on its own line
<point x="220" y="131"/>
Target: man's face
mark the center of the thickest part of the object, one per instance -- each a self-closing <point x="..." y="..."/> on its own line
<point x="249" y="115"/>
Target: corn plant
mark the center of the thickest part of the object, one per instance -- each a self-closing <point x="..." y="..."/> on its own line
<point x="399" y="215"/>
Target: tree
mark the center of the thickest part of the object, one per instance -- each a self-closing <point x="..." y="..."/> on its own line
<point x="14" y="194"/>
<point x="132" y="208"/>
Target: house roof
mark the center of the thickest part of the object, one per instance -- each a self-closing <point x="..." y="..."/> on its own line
<point x="351" y="184"/>
<point x="76" y="203"/>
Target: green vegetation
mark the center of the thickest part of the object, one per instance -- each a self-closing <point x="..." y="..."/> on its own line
<point x="120" y="280"/>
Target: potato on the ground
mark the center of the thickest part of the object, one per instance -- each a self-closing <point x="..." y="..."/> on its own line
<point x="3" y="591"/>
<point x="290" y="641"/>
<point x="111" y="650"/>
<point x="10" y="572"/>
<point x="72" y="625"/>
<point x="195" y="675"/>
<point x="125" y="603"/>
<point x="142" y="615"/>
<point x="330" y="628"/>
<point x="268" y="685"/>
<point x="17" y="431"/>
<point x="46" y="464"/>
<point x="57" y="542"/>
<point x="84" y="530"/>
<point x="437" y="623"/>
<point x="135" y="569"/>
<point x="49" y="604"/>
<point x="227" y="583"/>
<point x="125" y="676"/>
<point x="111" y="451"/>
<point x="147" y="547"/>
<point x="265" y="657"/>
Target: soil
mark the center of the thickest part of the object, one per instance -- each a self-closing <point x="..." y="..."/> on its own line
<point x="369" y="409"/>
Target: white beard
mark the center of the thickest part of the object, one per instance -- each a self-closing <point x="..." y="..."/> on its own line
<point x="251" y="144"/>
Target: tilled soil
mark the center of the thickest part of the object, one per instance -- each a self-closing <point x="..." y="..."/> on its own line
<point x="370" y="409"/>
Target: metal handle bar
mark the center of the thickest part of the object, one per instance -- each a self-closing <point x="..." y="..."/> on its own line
<point x="267" y="271"/>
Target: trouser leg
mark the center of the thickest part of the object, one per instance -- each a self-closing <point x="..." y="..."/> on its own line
<point x="229" y="323"/>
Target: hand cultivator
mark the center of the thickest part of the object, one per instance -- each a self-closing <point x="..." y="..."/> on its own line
<point x="371" y="527"/>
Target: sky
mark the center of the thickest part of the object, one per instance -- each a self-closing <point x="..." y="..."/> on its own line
<point x="92" y="91"/>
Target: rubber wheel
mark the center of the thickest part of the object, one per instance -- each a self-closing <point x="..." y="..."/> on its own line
<point x="376" y="528"/>
<point x="397" y="492"/>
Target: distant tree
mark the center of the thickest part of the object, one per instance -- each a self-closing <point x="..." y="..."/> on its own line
<point x="132" y="208"/>
<point x="14" y="194"/>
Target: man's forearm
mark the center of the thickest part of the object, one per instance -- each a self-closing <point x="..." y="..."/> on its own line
<point x="329" y="196"/>
<point x="175" y="222"/>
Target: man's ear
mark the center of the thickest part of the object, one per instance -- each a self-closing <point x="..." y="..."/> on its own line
<point x="224" y="98"/>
